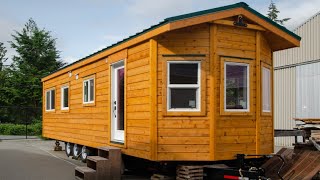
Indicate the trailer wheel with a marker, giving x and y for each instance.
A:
(76, 151)
(84, 153)
(68, 149)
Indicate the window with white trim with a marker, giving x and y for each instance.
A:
(183, 86)
(88, 91)
(266, 90)
(236, 86)
(64, 97)
(50, 100)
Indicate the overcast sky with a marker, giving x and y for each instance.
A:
(83, 27)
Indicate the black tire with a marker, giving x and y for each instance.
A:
(68, 149)
(85, 152)
(76, 151)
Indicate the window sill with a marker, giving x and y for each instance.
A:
(184, 113)
(89, 104)
(65, 110)
(266, 113)
(236, 113)
(51, 111)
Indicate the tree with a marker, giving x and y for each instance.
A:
(273, 14)
(36, 57)
(3, 58)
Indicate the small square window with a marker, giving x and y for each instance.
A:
(65, 98)
(50, 100)
(88, 91)
(183, 86)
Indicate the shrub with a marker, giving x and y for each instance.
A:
(34, 129)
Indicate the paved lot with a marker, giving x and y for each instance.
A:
(34, 159)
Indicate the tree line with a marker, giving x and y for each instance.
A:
(36, 56)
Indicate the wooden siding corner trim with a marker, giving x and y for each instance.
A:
(258, 91)
(213, 59)
(153, 100)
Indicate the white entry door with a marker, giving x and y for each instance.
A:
(117, 102)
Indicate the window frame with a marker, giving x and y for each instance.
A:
(202, 60)
(54, 107)
(263, 112)
(63, 87)
(89, 102)
(242, 62)
(184, 86)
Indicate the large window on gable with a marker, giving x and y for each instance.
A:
(64, 97)
(183, 85)
(50, 100)
(236, 86)
(88, 91)
(266, 89)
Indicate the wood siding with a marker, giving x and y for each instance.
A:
(183, 137)
(90, 125)
(153, 134)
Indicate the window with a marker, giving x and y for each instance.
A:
(266, 90)
(88, 91)
(50, 100)
(64, 97)
(183, 88)
(236, 86)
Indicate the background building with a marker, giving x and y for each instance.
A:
(297, 79)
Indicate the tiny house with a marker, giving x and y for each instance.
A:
(195, 87)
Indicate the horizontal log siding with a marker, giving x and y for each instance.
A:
(234, 133)
(89, 125)
(183, 137)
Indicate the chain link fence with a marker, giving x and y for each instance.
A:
(20, 122)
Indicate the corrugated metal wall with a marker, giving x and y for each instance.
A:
(284, 103)
(310, 45)
(285, 64)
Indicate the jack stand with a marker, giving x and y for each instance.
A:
(57, 147)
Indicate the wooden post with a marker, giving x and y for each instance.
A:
(258, 91)
(153, 99)
(213, 59)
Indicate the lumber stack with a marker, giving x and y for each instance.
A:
(161, 177)
(190, 172)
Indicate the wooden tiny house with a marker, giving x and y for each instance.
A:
(195, 87)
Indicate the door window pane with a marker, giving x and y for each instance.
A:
(183, 98)
(120, 99)
(266, 90)
(236, 86)
(183, 73)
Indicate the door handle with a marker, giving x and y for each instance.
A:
(114, 108)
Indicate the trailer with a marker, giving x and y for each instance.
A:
(195, 88)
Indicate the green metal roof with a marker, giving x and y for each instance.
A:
(186, 16)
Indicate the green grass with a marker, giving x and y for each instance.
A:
(34, 129)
